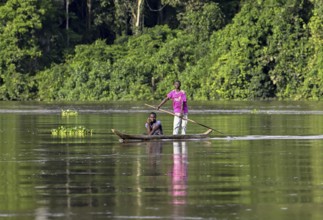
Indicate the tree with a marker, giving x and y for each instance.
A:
(20, 20)
(262, 54)
(129, 11)
(313, 84)
(79, 78)
(204, 22)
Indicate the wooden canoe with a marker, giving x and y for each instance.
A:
(138, 137)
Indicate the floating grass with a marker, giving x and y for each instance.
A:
(78, 131)
(68, 112)
(254, 111)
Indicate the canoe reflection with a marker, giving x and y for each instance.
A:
(179, 174)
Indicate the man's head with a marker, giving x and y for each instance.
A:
(177, 84)
(152, 116)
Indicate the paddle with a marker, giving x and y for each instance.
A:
(168, 112)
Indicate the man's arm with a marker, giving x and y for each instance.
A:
(182, 108)
(155, 127)
(148, 126)
(162, 102)
(184, 99)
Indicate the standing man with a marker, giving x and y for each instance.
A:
(180, 107)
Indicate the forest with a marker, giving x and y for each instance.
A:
(102, 50)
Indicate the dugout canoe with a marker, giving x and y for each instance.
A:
(138, 137)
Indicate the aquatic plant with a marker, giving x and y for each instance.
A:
(68, 112)
(78, 131)
(254, 111)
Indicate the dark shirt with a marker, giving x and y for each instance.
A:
(159, 131)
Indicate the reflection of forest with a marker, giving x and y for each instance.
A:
(10, 187)
(43, 174)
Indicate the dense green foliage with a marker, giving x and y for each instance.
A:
(133, 50)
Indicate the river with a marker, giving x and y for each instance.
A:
(263, 161)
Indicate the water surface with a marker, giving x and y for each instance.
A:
(267, 165)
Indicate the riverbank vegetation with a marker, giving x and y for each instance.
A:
(134, 49)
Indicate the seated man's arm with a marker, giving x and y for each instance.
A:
(155, 128)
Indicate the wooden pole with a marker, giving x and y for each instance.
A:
(171, 113)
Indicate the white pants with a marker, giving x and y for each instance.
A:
(180, 123)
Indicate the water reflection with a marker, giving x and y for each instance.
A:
(179, 173)
(154, 152)
(272, 169)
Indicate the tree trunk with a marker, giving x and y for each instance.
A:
(137, 17)
(67, 3)
(160, 18)
(67, 18)
(89, 14)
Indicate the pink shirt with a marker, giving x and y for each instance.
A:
(178, 98)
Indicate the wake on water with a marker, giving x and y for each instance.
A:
(270, 137)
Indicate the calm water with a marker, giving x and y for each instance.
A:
(268, 165)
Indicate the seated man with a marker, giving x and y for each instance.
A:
(153, 126)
